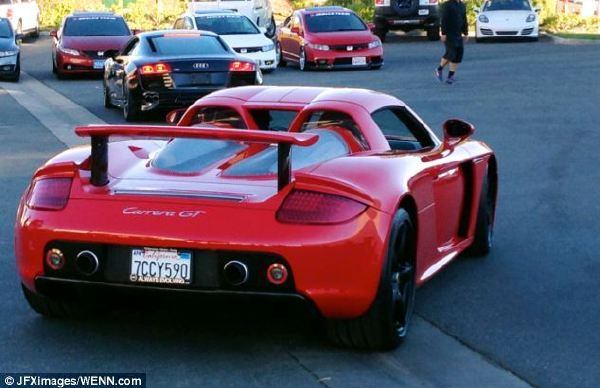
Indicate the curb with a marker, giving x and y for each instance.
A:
(570, 41)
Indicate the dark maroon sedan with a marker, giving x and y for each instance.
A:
(85, 40)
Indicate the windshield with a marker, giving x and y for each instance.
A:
(227, 25)
(5, 30)
(96, 26)
(507, 5)
(334, 21)
(186, 44)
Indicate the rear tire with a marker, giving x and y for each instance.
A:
(107, 102)
(484, 227)
(130, 109)
(385, 325)
(55, 308)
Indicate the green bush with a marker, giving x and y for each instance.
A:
(571, 23)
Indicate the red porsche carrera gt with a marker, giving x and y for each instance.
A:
(343, 198)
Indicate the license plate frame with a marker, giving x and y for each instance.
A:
(99, 64)
(359, 61)
(161, 266)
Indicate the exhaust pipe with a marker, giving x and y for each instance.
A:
(87, 262)
(235, 272)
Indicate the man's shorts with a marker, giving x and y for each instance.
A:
(454, 52)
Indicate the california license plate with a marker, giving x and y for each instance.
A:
(158, 265)
(99, 64)
(359, 61)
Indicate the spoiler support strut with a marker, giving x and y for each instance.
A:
(99, 165)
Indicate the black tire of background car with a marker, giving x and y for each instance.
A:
(130, 110)
(302, 60)
(381, 33)
(56, 308)
(107, 102)
(271, 29)
(411, 10)
(484, 227)
(282, 62)
(433, 33)
(385, 325)
(36, 32)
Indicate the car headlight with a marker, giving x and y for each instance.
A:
(483, 19)
(69, 51)
(322, 47)
(375, 44)
(8, 53)
(268, 47)
(530, 18)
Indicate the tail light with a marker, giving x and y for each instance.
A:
(242, 66)
(158, 68)
(49, 194)
(309, 207)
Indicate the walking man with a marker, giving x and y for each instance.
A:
(454, 26)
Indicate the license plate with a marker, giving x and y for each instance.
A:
(359, 61)
(423, 12)
(99, 64)
(157, 265)
(200, 79)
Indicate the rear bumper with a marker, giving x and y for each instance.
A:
(335, 267)
(170, 99)
(387, 18)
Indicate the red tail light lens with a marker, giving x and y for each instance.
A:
(49, 194)
(158, 68)
(242, 66)
(309, 207)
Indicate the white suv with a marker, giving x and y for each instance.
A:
(24, 15)
(259, 11)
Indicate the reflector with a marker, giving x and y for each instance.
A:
(49, 194)
(309, 207)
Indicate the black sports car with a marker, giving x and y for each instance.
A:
(170, 69)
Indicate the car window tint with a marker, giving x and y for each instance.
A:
(401, 129)
(95, 26)
(329, 146)
(507, 5)
(193, 155)
(221, 117)
(331, 119)
(273, 120)
(227, 24)
(5, 30)
(180, 44)
(334, 22)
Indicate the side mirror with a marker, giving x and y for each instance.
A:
(54, 34)
(371, 26)
(456, 130)
(174, 116)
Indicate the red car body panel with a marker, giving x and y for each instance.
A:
(336, 266)
(343, 46)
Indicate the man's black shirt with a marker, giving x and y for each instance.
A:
(454, 21)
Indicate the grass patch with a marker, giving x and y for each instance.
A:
(573, 35)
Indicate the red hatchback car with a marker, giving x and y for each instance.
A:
(326, 38)
(342, 198)
(85, 40)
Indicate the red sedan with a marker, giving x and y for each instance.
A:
(327, 38)
(85, 40)
(351, 209)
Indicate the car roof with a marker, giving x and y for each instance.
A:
(212, 11)
(93, 13)
(176, 32)
(332, 8)
(302, 95)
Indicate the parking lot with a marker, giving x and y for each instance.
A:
(525, 315)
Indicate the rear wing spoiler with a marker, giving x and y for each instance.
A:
(100, 134)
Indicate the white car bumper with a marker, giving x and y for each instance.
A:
(7, 64)
(264, 60)
(491, 30)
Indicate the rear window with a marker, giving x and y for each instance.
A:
(192, 155)
(96, 26)
(334, 119)
(5, 30)
(273, 120)
(334, 22)
(218, 116)
(186, 44)
(329, 146)
(227, 25)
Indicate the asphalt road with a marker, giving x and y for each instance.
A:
(530, 309)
